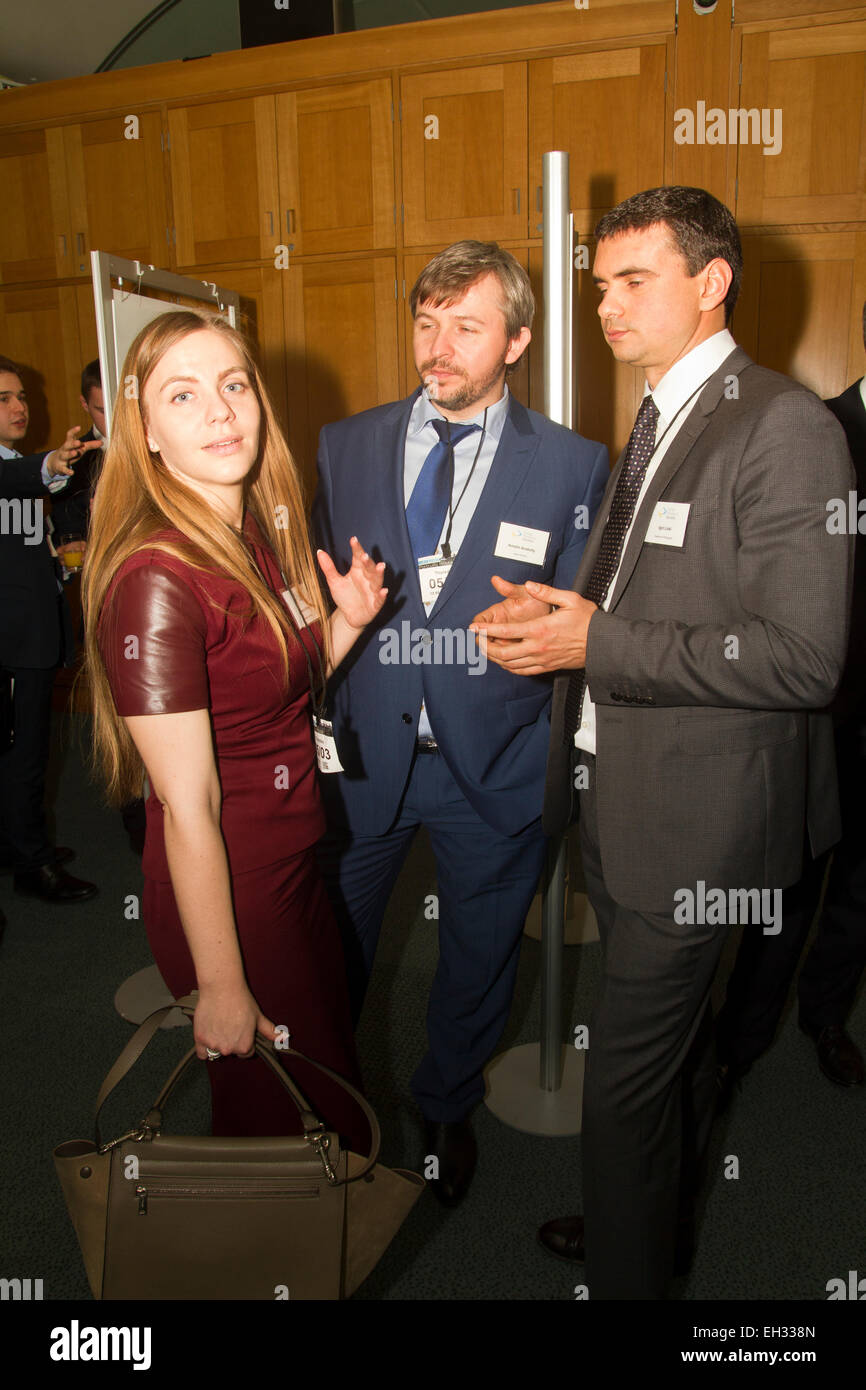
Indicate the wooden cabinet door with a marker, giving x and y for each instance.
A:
(464, 154)
(812, 81)
(336, 168)
(224, 181)
(116, 190)
(608, 110)
(35, 236)
(39, 331)
(800, 308)
(341, 346)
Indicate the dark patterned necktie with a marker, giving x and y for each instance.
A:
(638, 453)
(428, 505)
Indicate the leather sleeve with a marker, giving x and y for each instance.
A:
(152, 640)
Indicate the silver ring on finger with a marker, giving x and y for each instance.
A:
(212, 1054)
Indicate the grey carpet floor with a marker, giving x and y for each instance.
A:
(792, 1219)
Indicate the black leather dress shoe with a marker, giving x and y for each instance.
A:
(563, 1237)
(839, 1057)
(63, 854)
(53, 884)
(453, 1143)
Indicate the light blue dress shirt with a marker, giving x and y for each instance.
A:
(420, 439)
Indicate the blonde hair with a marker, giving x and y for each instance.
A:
(137, 497)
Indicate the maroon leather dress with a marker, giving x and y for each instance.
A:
(173, 639)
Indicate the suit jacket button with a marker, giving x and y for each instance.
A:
(407, 718)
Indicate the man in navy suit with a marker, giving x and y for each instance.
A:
(451, 486)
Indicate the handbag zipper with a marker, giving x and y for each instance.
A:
(220, 1189)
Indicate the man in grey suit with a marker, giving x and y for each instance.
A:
(707, 625)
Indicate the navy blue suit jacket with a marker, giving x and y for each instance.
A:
(492, 726)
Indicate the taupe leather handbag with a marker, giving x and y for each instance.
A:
(163, 1216)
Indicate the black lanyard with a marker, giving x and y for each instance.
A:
(452, 506)
(318, 702)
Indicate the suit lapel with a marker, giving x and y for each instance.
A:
(684, 441)
(511, 463)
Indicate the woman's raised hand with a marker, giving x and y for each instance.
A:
(358, 593)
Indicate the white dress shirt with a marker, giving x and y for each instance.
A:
(679, 383)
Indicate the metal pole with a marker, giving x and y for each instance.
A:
(559, 406)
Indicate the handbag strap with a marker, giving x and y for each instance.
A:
(264, 1048)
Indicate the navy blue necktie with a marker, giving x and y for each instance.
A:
(428, 505)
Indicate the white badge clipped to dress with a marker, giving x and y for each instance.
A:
(327, 757)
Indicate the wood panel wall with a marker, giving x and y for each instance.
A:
(362, 154)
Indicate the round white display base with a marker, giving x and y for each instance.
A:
(581, 926)
(516, 1098)
(143, 992)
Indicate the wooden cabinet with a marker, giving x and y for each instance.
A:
(799, 308)
(39, 331)
(811, 81)
(116, 190)
(607, 110)
(336, 168)
(70, 189)
(464, 154)
(33, 245)
(309, 170)
(224, 181)
(340, 346)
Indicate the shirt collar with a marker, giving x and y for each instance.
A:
(6, 453)
(863, 391)
(423, 411)
(684, 378)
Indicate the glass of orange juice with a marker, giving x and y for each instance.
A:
(73, 551)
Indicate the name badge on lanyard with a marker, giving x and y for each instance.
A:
(327, 757)
(432, 573)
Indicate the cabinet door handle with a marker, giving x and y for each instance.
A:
(79, 237)
(290, 221)
(63, 240)
(270, 217)
(517, 199)
(538, 199)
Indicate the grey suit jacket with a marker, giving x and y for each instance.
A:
(704, 671)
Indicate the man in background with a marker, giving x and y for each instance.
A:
(35, 637)
(70, 509)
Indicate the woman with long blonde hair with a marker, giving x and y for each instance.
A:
(207, 640)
